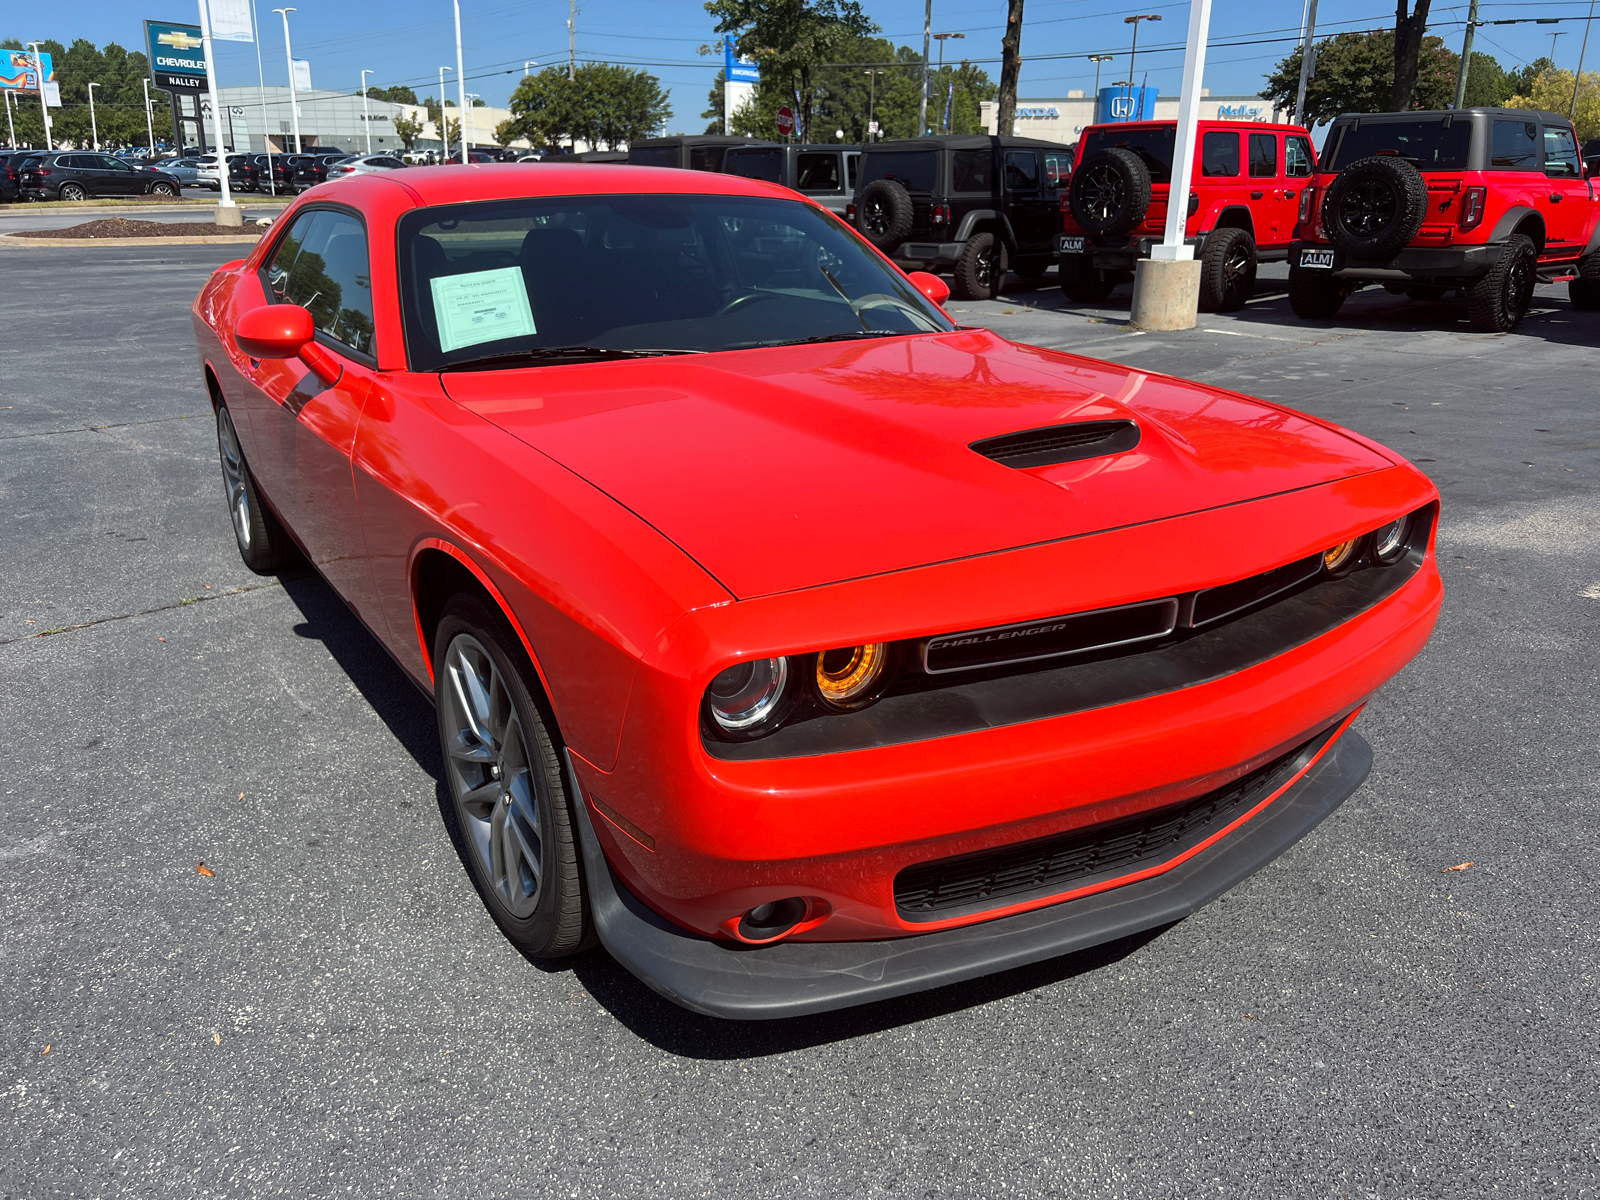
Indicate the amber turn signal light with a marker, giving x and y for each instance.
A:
(1336, 558)
(851, 677)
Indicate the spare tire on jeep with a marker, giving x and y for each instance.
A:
(1375, 206)
(886, 213)
(1110, 192)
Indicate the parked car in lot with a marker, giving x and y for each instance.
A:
(312, 169)
(1484, 200)
(1243, 197)
(365, 164)
(827, 174)
(971, 204)
(194, 171)
(246, 172)
(802, 646)
(693, 152)
(10, 183)
(81, 175)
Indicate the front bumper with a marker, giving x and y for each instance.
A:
(790, 979)
(1414, 262)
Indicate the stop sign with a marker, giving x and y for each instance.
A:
(785, 121)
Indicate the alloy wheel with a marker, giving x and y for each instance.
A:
(1236, 267)
(1520, 282)
(876, 218)
(983, 271)
(491, 781)
(1368, 208)
(233, 477)
(71, 191)
(1102, 193)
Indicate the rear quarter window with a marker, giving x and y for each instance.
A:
(917, 170)
(653, 156)
(756, 164)
(971, 171)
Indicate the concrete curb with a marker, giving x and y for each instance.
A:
(11, 239)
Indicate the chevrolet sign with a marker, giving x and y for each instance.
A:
(177, 55)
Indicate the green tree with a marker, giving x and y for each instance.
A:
(791, 39)
(397, 94)
(1489, 85)
(1551, 91)
(408, 130)
(118, 100)
(602, 104)
(1354, 72)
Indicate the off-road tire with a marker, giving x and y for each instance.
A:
(1227, 270)
(1375, 206)
(264, 544)
(1584, 291)
(558, 923)
(72, 192)
(1083, 283)
(981, 270)
(1497, 302)
(1110, 192)
(1314, 295)
(885, 214)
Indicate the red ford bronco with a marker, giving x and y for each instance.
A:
(1485, 200)
(1243, 201)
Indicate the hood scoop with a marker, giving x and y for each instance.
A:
(1059, 443)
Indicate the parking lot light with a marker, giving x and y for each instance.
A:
(366, 116)
(288, 59)
(44, 105)
(149, 121)
(94, 126)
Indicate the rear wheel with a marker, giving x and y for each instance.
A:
(1082, 283)
(1314, 295)
(1227, 270)
(981, 269)
(263, 542)
(1498, 301)
(509, 807)
(73, 191)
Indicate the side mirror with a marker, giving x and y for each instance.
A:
(931, 286)
(285, 331)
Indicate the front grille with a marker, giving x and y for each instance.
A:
(1077, 633)
(1215, 603)
(1059, 443)
(950, 887)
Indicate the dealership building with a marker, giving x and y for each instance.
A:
(1064, 119)
(259, 119)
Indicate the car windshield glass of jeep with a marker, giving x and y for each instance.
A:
(1427, 145)
(1152, 145)
(538, 281)
(915, 170)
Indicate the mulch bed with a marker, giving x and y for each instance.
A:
(121, 227)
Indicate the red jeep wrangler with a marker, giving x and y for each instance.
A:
(1243, 202)
(1487, 200)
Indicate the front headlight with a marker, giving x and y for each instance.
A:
(749, 697)
(1390, 542)
(852, 677)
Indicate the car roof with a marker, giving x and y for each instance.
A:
(702, 139)
(1424, 113)
(964, 141)
(1275, 126)
(457, 183)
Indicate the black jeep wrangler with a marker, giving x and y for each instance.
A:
(973, 204)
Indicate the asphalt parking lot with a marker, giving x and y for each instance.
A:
(332, 1011)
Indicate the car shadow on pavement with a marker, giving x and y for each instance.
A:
(678, 1031)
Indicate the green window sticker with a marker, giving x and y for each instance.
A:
(484, 306)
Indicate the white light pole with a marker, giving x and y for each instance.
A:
(44, 107)
(149, 120)
(261, 95)
(94, 126)
(1172, 245)
(472, 121)
(288, 59)
(526, 65)
(366, 116)
(10, 126)
(461, 86)
(216, 115)
(444, 141)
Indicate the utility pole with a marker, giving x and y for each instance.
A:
(288, 58)
(44, 106)
(461, 87)
(942, 38)
(1010, 68)
(872, 74)
(1466, 58)
(1308, 59)
(927, 47)
(1134, 53)
(1577, 79)
(366, 114)
(572, 38)
(94, 126)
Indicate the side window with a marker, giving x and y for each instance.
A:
(1022, 171)
(706, 158)
(107, 163)
(1219, 154)
(853, 166)
(1298, 161)
(756, 164)
(1515, 146)
(1561, 153)
(817, 173)
(326, 272)
(1263, 156)
(1057, 170)
(970, 171)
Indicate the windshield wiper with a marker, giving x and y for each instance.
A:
(849, 336)
(543, 355)
(843, 295)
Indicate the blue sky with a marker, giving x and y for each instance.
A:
(411, 39)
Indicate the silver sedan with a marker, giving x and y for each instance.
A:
(365, 164)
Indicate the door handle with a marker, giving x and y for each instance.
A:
(1288, 194)
(1555, 197)
(1255, 195)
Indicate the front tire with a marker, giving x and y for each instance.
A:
(163, 189)
(1498, 301)
(509, 808)
(981, 269)
(1227, 270)
(1314, 296)
(264, 544)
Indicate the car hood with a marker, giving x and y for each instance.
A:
(797, 466)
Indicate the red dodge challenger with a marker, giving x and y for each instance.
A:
(800, 645)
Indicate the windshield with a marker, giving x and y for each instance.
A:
(640, 275)
(1429, 144)
(1153, 145)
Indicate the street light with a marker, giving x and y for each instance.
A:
(1097, 59)
(366, 116)
(471, 117)
(288, 58)
(10, 125)
(444, 141)
(44, 107)
(94, 126)
(941, 38)
(149, 121)
(1134, 21)
(461, 86)
(526, 65)
(872, 74)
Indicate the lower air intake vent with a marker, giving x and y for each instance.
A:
(951, 887)
(1059, 443)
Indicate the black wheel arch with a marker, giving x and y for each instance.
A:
(1235, 216)
(1520, 219)
(988, 220)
